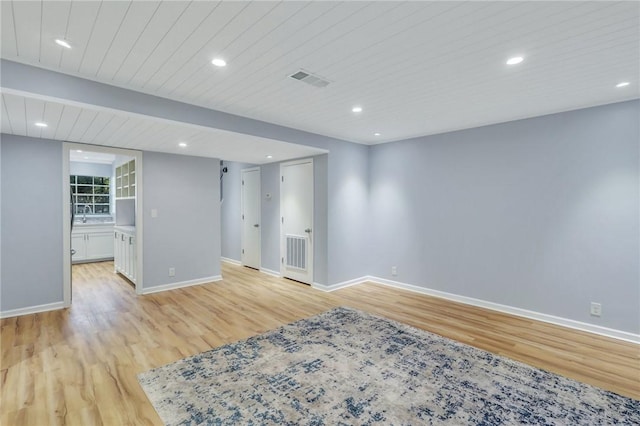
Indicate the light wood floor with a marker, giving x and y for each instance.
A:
(79, 366)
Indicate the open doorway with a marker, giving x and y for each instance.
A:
(103, 224)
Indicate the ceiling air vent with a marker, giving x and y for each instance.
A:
(307, 77)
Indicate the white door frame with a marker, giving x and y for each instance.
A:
(66, 214)
(282, 236)
(242, 242)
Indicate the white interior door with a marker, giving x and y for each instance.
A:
(296, 209)
(251, 218)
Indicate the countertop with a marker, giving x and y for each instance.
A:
(79, 224)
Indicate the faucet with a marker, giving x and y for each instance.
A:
(84, 213)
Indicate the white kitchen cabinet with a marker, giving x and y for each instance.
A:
(99, 245)
(78, 247)
(125, 251)
(91, 243)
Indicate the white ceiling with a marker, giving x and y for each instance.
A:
(92, 157)
(100, 126)
(416, 68)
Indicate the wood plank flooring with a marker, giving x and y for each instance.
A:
(79, 365)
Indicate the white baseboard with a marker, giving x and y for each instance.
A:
(338, 286)
(181, 284)
(270, 272)
(229, 260)
(32, 310)
(565, 322)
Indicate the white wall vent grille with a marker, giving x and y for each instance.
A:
(296, 252)
(309, 78)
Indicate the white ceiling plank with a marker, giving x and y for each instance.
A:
(6, 120)
(82, 124)
(284, 32)
(68, 118)
(316, 30)
(27, 17)
(173, 41)
(8, 31)
(34, 113)
(249, 19)
(131, 28)
(116, 122)
(122, 132)
(51, 115)
(98, 125)
(55, 17)
(162, 21)
(190, 58)
(82, 17)
(135, 127)
(107, 25)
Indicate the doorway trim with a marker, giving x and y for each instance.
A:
(66, 214)
(282, 234)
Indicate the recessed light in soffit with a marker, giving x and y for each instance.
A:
(219, 62)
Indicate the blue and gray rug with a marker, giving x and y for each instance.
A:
(346, 367)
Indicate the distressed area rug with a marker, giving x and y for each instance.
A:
(346, 367)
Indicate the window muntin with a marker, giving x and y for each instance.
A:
(91, 194)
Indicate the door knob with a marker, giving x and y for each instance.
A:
(308, 230)
(256, 225)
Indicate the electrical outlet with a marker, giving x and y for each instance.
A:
(596, 309)
(172, 272)
(394, 271)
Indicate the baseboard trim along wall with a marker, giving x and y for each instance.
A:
(343, 284)
(564, 322)
(270, 272)
(231, 261)
(181, 284)
(32, 310)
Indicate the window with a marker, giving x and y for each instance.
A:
(91, 194)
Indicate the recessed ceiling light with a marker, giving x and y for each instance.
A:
(219, 62)
(86, 158)
(622, 84)
(515, 60)
(376, 134)
(63, 43)
(269, 156)
(78, 150)
(182, 144)
(356, 109)
(39, 124)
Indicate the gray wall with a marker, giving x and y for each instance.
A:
(31, 227)
(90, 169)
(348, 212)
(186, 234)
(321, 230)
(540, 214)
